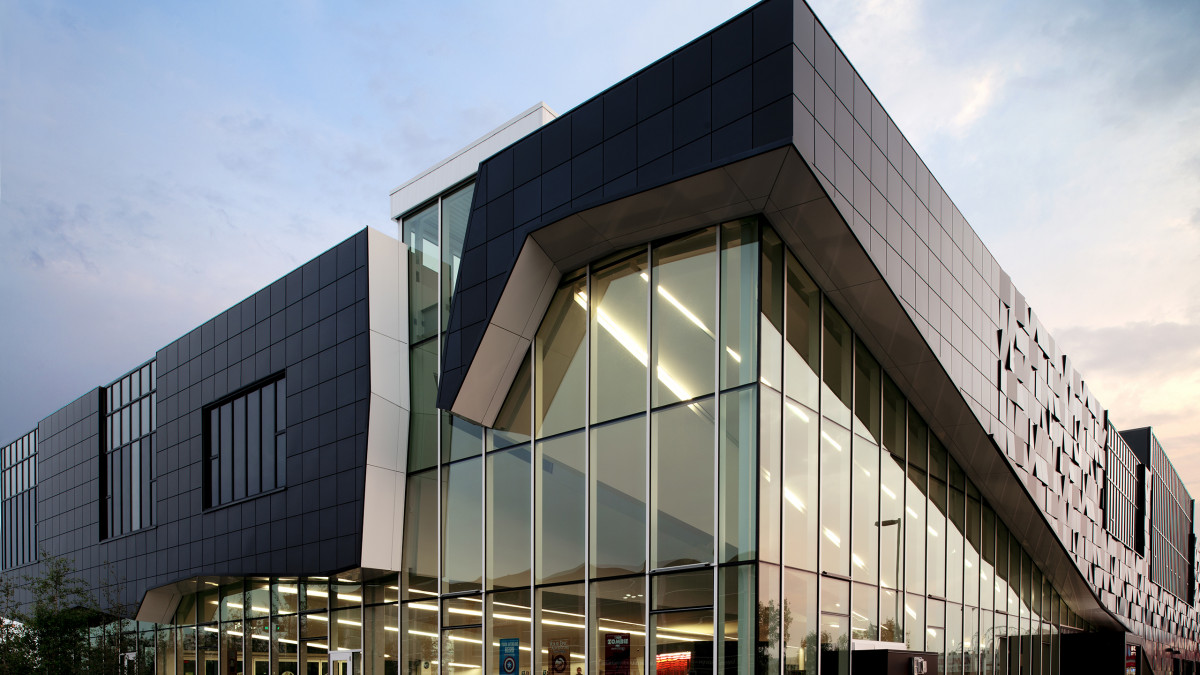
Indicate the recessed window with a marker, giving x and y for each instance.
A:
(18, 501)
(129, 466)
(244, 438)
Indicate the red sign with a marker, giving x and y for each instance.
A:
(616, 654)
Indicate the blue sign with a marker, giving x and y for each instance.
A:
(510, 656)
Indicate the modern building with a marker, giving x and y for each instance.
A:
(706, 375)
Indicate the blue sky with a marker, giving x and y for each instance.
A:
(161, 161)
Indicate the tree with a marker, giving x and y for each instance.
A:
(62, 630)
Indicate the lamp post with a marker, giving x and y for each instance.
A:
(895, 522)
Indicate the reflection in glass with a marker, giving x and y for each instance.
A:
(464, 610)
(802, 353)
(559, 352)
(770, 475)
(956, 507)
(460, 438)
(560, 630)
(866, 393)
(512, 422)
(971, 565)
(258, 598)
(835, 644)
(185, 651)
(620, 291)
(771, 319)
(684, 318)
(423, 442)
(891, 615)
(345, 629)
(836, 376)
(207, 649)
(935, 558)
(800, 622)
(380, 636)
(560, 509)
(892, 518)
(894, 428)
(970, 640)
(771, 621)
(915, 501)
(456, 209)
(867, 527)
(683, 641)
(739, 300)
(1001, 571)
(462, 526)
(954, 637)
(914, 621)
(618, 627)
(681, 590)
(737, 476)
(164, 652)
(508, 518)
(737, 614)
(232, 601)
(509, 617)
(935, 631)
(420, 234)
(800, 486)
(864, 612)
(681, 496)
(835, 499)
(420, 533)
(462, 651)
(618, 494)
(419, 636)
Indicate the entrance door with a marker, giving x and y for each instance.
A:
(345, 662)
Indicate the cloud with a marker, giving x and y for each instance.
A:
(982, 94)
(1146, 374)
(1141, 347)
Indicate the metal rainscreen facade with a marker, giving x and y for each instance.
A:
(310, 326)
(775, 370)
(1172, 541)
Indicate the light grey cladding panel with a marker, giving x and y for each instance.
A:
(389, 405)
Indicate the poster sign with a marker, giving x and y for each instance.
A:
(560, 657)
(616, 654)
(510, 656)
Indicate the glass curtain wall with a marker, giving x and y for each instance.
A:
(276, 626)
(699, 468)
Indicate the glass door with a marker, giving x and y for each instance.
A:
(345, 662)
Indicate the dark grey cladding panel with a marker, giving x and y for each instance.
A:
(1139, 443)
(311, 324)
(725, 96)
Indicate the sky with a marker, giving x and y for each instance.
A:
(159, 162)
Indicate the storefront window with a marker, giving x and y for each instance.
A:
(560, 358)
(681, 484)
(620, 292)
(618, 498)
(683, 317)
(509, 525)
(561, 525)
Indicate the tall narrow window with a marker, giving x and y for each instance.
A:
(129, 468)
(18, 501)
